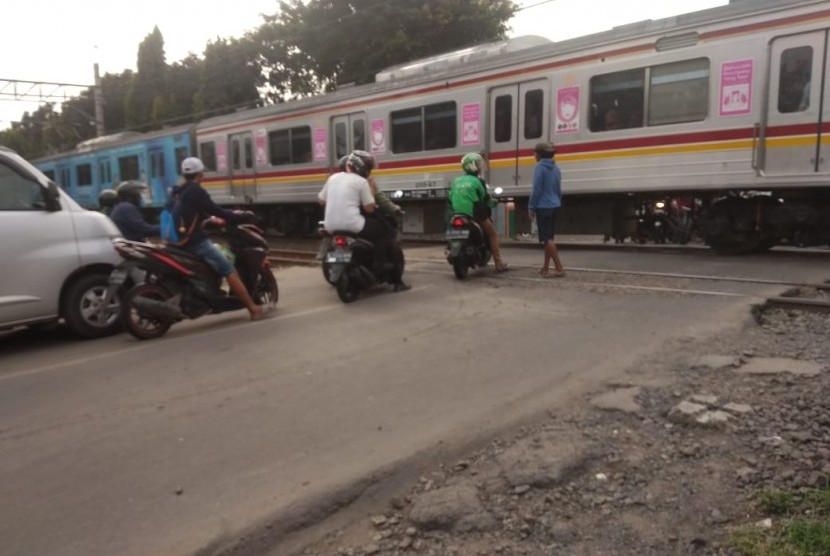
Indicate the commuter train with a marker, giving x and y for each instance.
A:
(726, 105)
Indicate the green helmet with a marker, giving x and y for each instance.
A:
(472, 163)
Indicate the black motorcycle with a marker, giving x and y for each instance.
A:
(179, 285)
(351, 266)
(467, 244)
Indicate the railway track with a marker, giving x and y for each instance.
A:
(293, 257)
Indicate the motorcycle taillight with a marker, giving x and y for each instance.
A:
(341, 241)
(457, 222)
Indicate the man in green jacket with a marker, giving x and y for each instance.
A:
(468, 196)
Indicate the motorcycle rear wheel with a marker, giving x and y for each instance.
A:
(460, 268)
(141, 326)
(346, 291)
(266, 291)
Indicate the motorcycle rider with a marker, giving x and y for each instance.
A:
(344, 195)
(126, 213)
(193, 207)
(468, 196)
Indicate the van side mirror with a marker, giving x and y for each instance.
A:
(52, 197)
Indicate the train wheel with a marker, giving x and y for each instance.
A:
(143, 326)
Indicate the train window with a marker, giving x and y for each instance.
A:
(207, 153)
(290, 146)
(407, 130)
(359, 134)
(83, 173)
(235, 153)
(795, 79)
(157, 165)
(128, 168)
(440, 126)
(678, 92)
(66, 178)
(425, 128)
(503, 123)
(249, 153)
(340, 143)
(617, 100)
(534, 113)
(104, 172)
(49, 174)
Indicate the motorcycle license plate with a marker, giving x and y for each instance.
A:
(118, 276)
(339, 256)
(453, 233)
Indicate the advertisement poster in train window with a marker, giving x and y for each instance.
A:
(471, 124)
(320, 144)
(378, 136)
(736, 87)
(221, 156)
(260, 138)
(567, 110)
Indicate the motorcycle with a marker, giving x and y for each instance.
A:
(349, 264)
(178, 285)
(467, 244)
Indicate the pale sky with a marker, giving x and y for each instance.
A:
(46, 40)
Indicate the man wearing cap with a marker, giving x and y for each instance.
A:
(194, 206)
(544, 203)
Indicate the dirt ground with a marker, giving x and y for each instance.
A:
(669, 461)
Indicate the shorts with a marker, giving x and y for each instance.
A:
(213, 257)
(545, 223)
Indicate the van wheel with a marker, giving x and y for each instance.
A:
(84, 309)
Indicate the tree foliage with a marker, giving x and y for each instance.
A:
(307, 47)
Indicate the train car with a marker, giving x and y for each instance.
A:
(726, 105)
(105, 162)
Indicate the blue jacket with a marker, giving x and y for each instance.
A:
(130, 223)
(547, 186)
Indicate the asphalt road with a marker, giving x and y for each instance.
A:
(116, 446)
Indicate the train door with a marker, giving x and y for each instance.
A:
(792, 134)
(349, 132)
(104, 173)
(518, 119)
(242, 173)
(64, 179)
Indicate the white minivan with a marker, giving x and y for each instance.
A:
(55, 257)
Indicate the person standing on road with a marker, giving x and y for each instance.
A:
(192, 208)
(468, 196)
(544, 203)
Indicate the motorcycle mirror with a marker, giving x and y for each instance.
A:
(498, 190)
(397, 194)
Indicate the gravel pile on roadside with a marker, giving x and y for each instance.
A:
(637, 470)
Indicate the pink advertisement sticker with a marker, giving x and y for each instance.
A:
(378, 136)
(471, 124)
(221, 156)
(567, 110)
(736, 87)
(320, 144)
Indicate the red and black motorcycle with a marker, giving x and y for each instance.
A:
(181, 286)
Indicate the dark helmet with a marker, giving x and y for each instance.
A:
(131, 191)
(107, 198)
(361, 163)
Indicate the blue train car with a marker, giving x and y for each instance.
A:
(104, 162)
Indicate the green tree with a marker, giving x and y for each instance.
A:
(230, 76)
(150, 81)
(337, 41)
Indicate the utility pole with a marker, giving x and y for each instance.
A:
(99, 104)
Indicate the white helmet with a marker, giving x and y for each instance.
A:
(192, 165)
